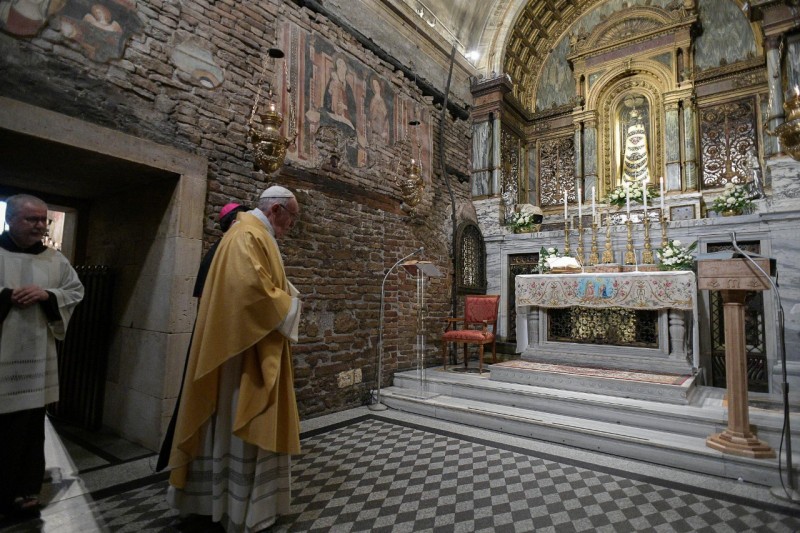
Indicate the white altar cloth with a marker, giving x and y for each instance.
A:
(629, 290)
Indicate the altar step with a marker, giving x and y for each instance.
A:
(653, 431)
(669, 388)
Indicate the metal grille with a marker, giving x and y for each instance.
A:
(83, 354)
(510, 154)
(518, 264)
(614, 326)
(727, 138)
(754, 332)
(470, 260)
(557, 170)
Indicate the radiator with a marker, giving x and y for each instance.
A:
(83, 354)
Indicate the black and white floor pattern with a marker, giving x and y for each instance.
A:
(376, 473)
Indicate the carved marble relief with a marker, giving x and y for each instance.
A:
(556, 170)
(727, 140)
(511, 156)
(346, 112)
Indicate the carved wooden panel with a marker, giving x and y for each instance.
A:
(511, 156)
(727, 138)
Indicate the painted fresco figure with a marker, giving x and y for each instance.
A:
(339, 99)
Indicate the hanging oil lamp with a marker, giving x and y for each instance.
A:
(269, 144)
(410, 176)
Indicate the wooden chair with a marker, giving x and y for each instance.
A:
(478, 311)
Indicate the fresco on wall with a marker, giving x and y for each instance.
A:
(101, 27)
(25, 18)
(714, 47)
(344, 110)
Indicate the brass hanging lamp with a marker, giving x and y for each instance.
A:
(269, 144)
(410, 175)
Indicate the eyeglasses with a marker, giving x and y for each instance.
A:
(292, 215)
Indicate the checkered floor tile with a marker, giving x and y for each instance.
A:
(377, 475)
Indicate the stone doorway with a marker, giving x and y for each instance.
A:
(139, 210)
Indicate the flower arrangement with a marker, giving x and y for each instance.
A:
(733, 198)
(675, 256)
(618, 197)
(522, 221)
(544, 254)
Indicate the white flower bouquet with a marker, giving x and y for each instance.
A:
(675, 256)
(618, 196)
(544, 255)
(524, 220)
(733, 198)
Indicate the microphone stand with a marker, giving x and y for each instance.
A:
(378, 406)
(791, 493)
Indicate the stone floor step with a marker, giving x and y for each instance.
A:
(662, 447)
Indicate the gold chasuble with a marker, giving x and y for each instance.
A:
(244, 301)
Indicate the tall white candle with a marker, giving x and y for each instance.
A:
(594, 215)
(565, 204)
(662, 195)
(644, 196)
(580, 206)
(628, 199)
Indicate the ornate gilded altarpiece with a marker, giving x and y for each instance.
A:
(556, 158)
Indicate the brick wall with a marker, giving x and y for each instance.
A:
(352, 227)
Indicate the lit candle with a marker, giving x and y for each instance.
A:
(565, 205)
(594, 215)
(661, 179)
(580, 206)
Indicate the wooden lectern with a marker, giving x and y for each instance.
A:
(733, 278)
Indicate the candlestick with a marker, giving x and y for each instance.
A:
(580, 206)
(664, 241)
(593, 254)
(630, 256)
(580, 242)
(608, 252)
(647, 253)
(662, 195)
(566, 238)
(565, 204)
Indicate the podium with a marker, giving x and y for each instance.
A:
(733, 278)
(418, 269)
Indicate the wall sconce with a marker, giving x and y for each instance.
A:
(410, 175)
(269, 145)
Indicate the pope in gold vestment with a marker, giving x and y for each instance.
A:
(244, 319)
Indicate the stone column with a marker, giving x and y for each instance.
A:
(771, 143)
(578, 155)
(689, 145)
(497, 172)
(673, 147)
(481, 159)
(589, 154)
(677, 335)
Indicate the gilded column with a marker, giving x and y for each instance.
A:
(773, 44)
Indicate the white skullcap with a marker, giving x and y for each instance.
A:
(276, 191)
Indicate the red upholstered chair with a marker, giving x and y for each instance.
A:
(478, 311)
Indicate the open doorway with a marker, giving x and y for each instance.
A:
(134, 206)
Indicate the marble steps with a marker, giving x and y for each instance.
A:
(665, 434)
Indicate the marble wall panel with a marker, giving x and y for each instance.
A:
(714, 47)
(481, 157)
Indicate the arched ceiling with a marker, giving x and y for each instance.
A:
(511, 36)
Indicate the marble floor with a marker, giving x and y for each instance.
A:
(365, 470)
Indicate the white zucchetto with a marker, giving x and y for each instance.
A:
(276, 191)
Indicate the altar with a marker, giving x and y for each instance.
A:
(623, 303)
